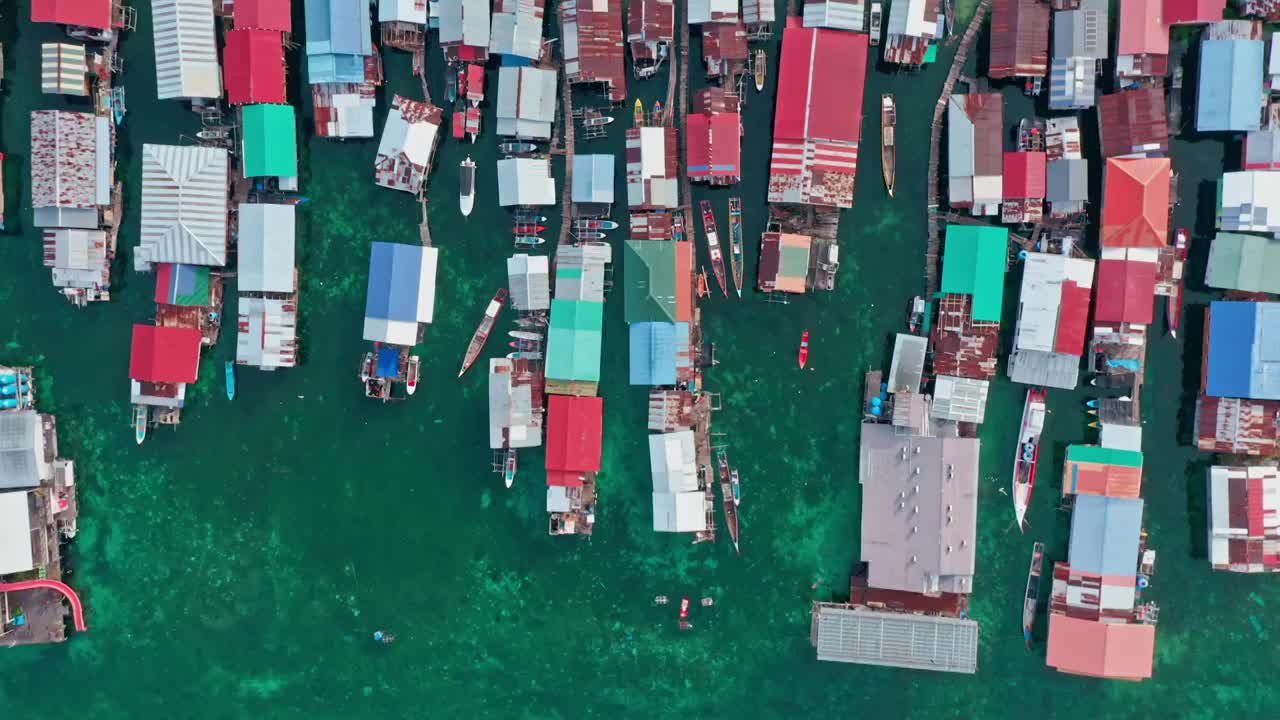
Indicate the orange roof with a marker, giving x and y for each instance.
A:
(1135, 202)
(1119, 651)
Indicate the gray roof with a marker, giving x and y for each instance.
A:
(959, 399)
(526, 105)
(890, 639)
(587, 284)
(265, 257)
(1081, 33)
(1037, 367)
(512, 420)
(1244, 262)
(21, 444)
(1262, 147)
(593, 179)
(919, 510)
(528, 279)
(1067, 180)
(908, 363)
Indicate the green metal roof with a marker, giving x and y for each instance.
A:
(1103, 456)
(793, 261)
(649, 273)
(573, 340)
(973, 261)
(270, 144)
(1244, 262)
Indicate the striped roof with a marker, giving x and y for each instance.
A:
(184, 205)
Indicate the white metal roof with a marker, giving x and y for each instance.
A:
(184, 206)
(410, 11)
(673, 462)
(15, 534)
(1041, 300)
(653, 148)
(186, 49)
(528, 279)
(701, 11)
(894, 639)
(266, 248)
(525, 181)
(1121, 437)
(1250, 201)
(526, 105)
(416, 140)
(679, 512)
(906, 17)
(268, 333)
(465, 22)
(838, 14)
(517, 28)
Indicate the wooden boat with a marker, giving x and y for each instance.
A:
(229, 373)
(528, 229)
(524, 355)
(473, 123)
(509, 467)
(876, 14)
(451, 85)
(481, 335)
(803, 356)
(139, 423)
(1173, 303)
(702, 283)
(1024, 461)
(528, 241)
(656, 118)
(713, 245)
(411, 374)
(1033, 592)
(590, 235)
(366, 367)
(517, 147)
(888, 148)
(638, 118)
(726, 497)
(735, 242)
(524, 335)
(596, 119)
(592, 224)
(532, 321)
(677, 227)
(736, 486)
(916, 315)
(528, 216)
(760, 65)
(466, 186)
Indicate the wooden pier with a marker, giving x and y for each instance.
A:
(933, 253)
(566, 192)
(681, 68)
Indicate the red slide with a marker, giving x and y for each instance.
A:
(77, 610)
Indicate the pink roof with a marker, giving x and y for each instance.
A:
(1120, 651)
(1126, 290)
(820, 85)
(253, 67)
(1073, 319)
(1142, 28)
(713, 148)
(89, 13)
(1192, 12)
(164, 354)
(1024, 175)
(1135, 202)
(263, 15)
(573, 438)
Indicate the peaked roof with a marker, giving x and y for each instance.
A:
(269, 141)
(253, 67)
(1125, 290)
(164, 354)
(263, 15)
(88, 13)
(1024, 175)
(973, 263)
(1135, 202)
(1122, 651)
(573, 437)
(184, 205)
(657, 281)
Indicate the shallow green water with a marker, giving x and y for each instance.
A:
(236, 567)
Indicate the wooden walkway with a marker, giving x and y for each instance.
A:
(682, 105)
(566, 126)
(933, 254)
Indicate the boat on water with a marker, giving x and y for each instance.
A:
(590, 235)
(1119, 380)
(1024, 461)
(684, 614)
(726, 497)
(876, 13)
(702, 283)
(1033, 592)
(460, 85)
(760, 65)
(481, 335)
(656, 117)
(528, 241)
(596, 120)
(713, 245)
(509, 467)
(524, 355)
(803, 356)
(593, 224)
(229, 373)
(528, 229)
(366, 367)
(677, 227)
(524, 335)
(735, 242)
(1173, 303)
(411, 374)
(638, 117)
(458, 125)
(532, 321)
(527, 216)
(888, 148)
(736, 486)
(466, 186)
(451, 86)
(915, 316)
(139, 423)
(517, 147)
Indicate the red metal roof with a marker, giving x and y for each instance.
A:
(1121, 651)
(713, 146)
(820, 85)
(600, 47)
(89, 13)
(164, 354)
(649, 21)
(1192, 12)
(1134, 122)
(1024, 175)
(1239, 426)
(475, 82)
(1126, 290)
(253, 67)
(1019, 38)
(1073, 319)
(263, 15)
(724, 41)
(1142, 28)
(573, 438)
(1135, 202)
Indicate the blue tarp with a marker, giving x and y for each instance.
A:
(514, 61)
(1229, 96)
(653, 353)
(1105, 534)
(395, 282)
(1231, 330)
(388, 362)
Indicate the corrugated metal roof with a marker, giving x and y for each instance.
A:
(269, 14)
(1126, 283)
(652, 352)
(712, 11)
(87, 13)
(580, 271)
(63, 69)
(513, 420)
(756, 12)
(1142, 30)
(654, 286)
(21, 450)
(894, 639)
(1072, 83)
(1047, 369)
(164, 354)
(913, 18)
(678, 505)
(186, 49)
(973, 263)
(525, 182)
(1244, 262)
(407, 146)
(1024, 175)
(402, 290)
(338, 37)
(1051, 316)
(1081, 33)
(1093, 470)
(517, 28)
(959, 399)
(268, 333)
(1134, 122)
(573, 342)
(1244, 518)
(464, 22)
(907, 367)
(64, 161)
(265, 248)
(1080, 646)
(1243, 360)
(1229, 95)
(1019, 45)
(591, 36)
(184, 206)
(1192, 12)
(269, 141)
(16, 553)
(529, 282)
(254, 67)
(1135, 202)
(1067, 181)
(526, 105)
(835, 14)
(410, 11)
(975, 145)
(574, 432)
(1262, 147)
(1249, 201)
(1105, 535)
(593, 179)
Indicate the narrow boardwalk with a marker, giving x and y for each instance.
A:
(682, 104)
(566, 126)
(932, 255)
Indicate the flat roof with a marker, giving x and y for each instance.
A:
(865, 636)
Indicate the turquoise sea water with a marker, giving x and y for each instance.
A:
(237, 566)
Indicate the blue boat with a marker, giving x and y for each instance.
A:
(230, 370)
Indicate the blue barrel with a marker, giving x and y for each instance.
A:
(8, 403)
(875, 410)
(1022, 254)
(876, 402)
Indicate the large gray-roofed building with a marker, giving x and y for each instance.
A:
(892, 639)
(526, 105)
(1081, 33)
(1037, 367)
(265, 259)
(919, 510)
(908, 363)
(22, 462)
(1244, 262)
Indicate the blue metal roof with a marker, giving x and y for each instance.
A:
(593, 179)
(338, 36)
(388, 362)
(395, 279)
(1244, 350)
(1229, 96)
(653, 353)
(1105, 532)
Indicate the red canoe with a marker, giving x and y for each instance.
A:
(804, 349)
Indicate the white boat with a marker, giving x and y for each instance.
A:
(139, 423)
(876, 15)
(1024, 460)
(467, 186)
(411, 380)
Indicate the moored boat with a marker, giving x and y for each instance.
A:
(638, 117)
(596, 120)
(593, 224)
(735, 242)
(677, 227)
(451, 86)
(466, 186)
(1173, 303)
(411, 374)
(139, 423)
(888, 148)
(517, 147)
(1032, 596)
(736, 486)
(528, 229)
(876, 14)
(509, 467)
(590, 235)
(760, 64)
(803, 356)
(702, 283)
(524, 355)
(656, 117)
(524, 215)
(713, 245)
(524, 335)
(229, 371)
(726, 497)
(1024, 461)
(460, 84)
(916, 315)
(528, 241)
(481, 335)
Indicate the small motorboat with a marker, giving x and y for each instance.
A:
(509, 468)
(596, 120)
(760, 65)
(460, 85)
(525, 335)
(1173, 303)
(451, 86)
(804, 349)
(517, 147)
(656, 118)
(702, 283)
(229, 371)
(466, 186)
(592, 224)
(528, 229)
(684, 614)
(527, 216)
(139, 423)
(524, 355)
(888, 144)
(411, 374)
(481, 335)
(532, 321)
(876, 15)
(528, 241)
(383, 637)
(523, 345)
(638, 120)
(916, 314)
(1032, 596)
(736, 485)
(1027, 452)
(590, 235)
(366, 367)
